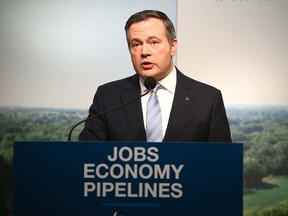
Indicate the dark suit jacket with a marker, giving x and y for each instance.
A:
(200, 118)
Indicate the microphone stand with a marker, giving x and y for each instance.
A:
(104, 112)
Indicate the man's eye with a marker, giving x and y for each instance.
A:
(154, 43)
(135, 44)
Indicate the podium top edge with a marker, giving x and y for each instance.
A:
(133, 142)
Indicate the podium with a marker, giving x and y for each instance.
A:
(127, 178)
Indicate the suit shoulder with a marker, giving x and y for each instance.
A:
(196, 85)
(121, 83)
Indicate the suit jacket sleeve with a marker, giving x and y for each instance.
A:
(95, 129)
(219, 130)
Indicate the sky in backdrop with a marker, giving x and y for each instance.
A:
(56, 53)
(238, 46)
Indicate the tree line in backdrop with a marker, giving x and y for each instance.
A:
(263, 130)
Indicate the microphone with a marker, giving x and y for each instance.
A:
(149, 83)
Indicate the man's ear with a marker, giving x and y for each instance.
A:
(174, 45)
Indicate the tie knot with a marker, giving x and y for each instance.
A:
(157, 87)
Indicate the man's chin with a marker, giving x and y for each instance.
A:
(148, 73)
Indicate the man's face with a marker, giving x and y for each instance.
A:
(150, 51)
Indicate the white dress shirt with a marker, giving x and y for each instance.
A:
(165, 97)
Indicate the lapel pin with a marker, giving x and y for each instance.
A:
(187, 99)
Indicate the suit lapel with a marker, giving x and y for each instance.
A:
(182, 105)
(133, 111)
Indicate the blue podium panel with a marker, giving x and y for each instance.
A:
(127, 178)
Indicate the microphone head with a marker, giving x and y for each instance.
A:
(150, 83)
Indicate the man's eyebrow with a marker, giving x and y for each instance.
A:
(135, 39)
(149, 38)
(153, 37)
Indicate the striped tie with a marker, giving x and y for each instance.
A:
(153, 118)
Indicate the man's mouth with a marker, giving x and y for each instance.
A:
(147, 65)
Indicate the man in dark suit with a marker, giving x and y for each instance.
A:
(189, 110)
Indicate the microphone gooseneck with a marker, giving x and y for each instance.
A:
(149, 83)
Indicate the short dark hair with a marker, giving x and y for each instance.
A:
(146, 14)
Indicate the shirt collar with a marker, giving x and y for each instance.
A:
(169, 82)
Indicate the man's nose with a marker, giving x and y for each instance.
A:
(145, 50)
